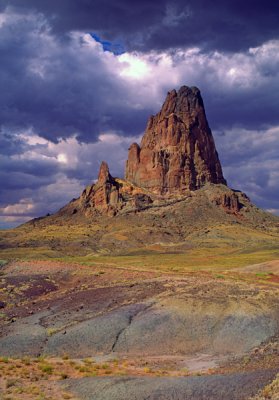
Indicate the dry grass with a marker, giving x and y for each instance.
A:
(219, 247)
(37, 378)
(34, 378)
(271, 391)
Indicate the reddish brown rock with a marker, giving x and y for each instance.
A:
(177, 151)
(104, 174)
(104, 195)
(229, 201)
(177, 155)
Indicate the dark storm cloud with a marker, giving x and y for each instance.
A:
(250, 163)
(65, 88)
(10, 144)
(39, 177)
(58, 88)
(20, 175)
(253, 108)
(240, 89)
(231, 25)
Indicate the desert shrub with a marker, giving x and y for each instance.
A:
(11, 383)
(51, 331)
(26, 360)
(3, 262)
(47, 369)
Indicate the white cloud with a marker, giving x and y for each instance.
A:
(76, 164)
(191, 66)
(62, 158)
(24, 207)
(134, 67)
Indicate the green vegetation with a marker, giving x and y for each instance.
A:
(46, 368)
(213, 259)
(51, 331)
(210, 259)
(219, 247)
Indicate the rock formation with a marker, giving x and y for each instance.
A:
(229, 201)
(177, 155)
(177, 152)
(104, 195)
(108, 196)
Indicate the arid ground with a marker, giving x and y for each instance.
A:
(115, 329)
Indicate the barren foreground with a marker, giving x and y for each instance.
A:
(111, 332)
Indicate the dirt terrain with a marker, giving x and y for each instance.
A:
(118, 332)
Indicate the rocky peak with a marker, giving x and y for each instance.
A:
(183, 103)
(177, 152)
(104, 174)
(176, 156)
(104, 195)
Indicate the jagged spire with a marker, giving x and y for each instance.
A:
(104, 174)
(177, 151)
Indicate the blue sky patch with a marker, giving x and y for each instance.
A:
(116, 48)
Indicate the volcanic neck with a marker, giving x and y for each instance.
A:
(177, 155)
(177, 152)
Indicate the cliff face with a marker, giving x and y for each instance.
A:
(177, 152)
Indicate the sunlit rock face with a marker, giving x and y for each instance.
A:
(103, 195)
(177, 152)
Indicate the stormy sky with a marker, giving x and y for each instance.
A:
(79, 78)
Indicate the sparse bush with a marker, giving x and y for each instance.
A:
(3, 262)
(10, 383)
(66, 396)
(84, 369)
(47, 369)
(51, 331)
(26, 360)
(88, 361)
(108, 371)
